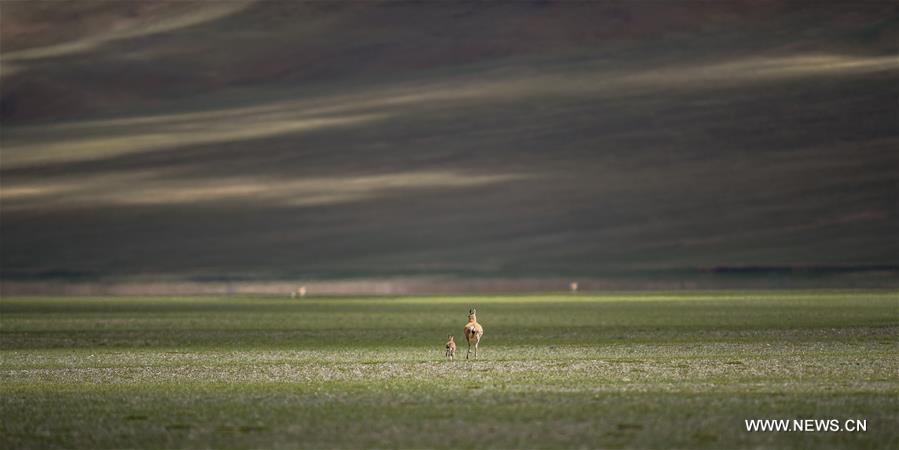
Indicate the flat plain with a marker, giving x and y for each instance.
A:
(614, 370)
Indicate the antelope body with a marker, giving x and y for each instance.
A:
(451, 347)
(473, 332)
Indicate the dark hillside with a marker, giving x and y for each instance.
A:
(510, 139)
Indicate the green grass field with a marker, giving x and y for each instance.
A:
(651, 370)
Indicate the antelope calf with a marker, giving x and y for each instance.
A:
(473, 332)
(451, 347)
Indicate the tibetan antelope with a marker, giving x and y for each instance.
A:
(473, 332)
(451, 347)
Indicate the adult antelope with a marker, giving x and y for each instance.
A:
(473, 332)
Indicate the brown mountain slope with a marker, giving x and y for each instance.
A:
(282, 139)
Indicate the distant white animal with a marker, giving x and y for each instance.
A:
(573, 287)
(300, 292)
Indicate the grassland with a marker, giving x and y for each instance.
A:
(556, 371)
